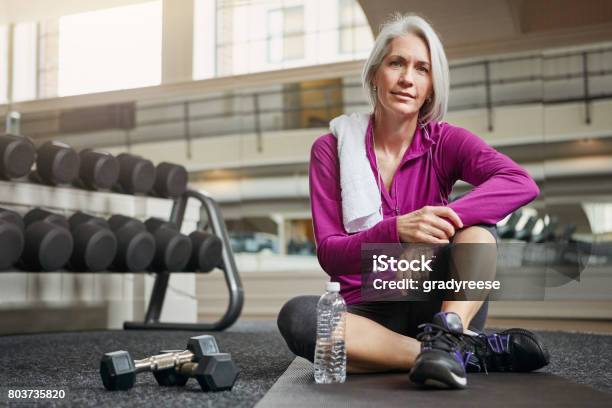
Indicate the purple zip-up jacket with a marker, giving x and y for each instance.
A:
(426, 174)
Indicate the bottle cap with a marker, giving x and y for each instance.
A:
(332, 286)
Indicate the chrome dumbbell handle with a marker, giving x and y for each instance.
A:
(163, 361)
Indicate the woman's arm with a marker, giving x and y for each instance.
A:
(500, 185)
(337, 251)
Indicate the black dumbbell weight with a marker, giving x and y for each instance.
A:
(567, 233)
(95, 245)
(173, 249)
(99, 170)
(170, 180)
(48, 242)
(118, 370)
(547, 233)
(17, 155)
(11, 238)
(171, 377)
(214, 372)
(524, 233)
(56, 164)
(507, 230)
(136, 174)
(206, 251)
(135, 245)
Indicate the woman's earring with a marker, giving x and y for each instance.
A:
(375, 88)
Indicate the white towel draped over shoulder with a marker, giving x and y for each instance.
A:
(360, 192)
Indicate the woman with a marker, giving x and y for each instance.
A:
(415, 159)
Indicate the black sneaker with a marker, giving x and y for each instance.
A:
(516, 350)
(444, 353)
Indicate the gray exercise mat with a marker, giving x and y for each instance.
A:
(296, 388)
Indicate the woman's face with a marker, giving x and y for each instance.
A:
(403, 79)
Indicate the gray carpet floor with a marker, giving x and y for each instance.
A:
(70, 361)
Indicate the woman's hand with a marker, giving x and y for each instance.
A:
(429, 225)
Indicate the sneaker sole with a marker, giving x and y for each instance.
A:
(431, 374)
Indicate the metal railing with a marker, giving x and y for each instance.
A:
(581, 76)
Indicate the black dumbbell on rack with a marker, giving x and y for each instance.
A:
(11, 238)
(136, 174)
(206, 252)
(173, 249)
(95, 245)
(17, 154)
(170, 180)
(525, 232)
(98, 171)
(56, 164)
(135, 245)
(547, 233)
(508, 229)
(48, 242)
(118, 370)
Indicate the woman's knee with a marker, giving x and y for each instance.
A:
(294, 314)
(297, 323)
(476, 234)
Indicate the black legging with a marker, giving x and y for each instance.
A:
(297, 320)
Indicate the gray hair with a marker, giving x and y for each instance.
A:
(399, 25)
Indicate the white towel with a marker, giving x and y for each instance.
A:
(361, 201)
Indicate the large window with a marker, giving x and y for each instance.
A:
(110, 49)
(204, 39)
(262, 35)
(355, 34)
(286, 34)
(24, 68)
(3, 64)
(48, 54)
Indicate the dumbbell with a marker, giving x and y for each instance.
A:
(170, 180)
(547, 233)
(17, 154)
(135, 245)
(48, 242)
(567, 233)
(197, 347)
(524, 233)
(56, 163)
(118, 370)
(136, 174)
(173, 249)
(99, 170)
(206, 251)
(507, 230)
(11, 238)
(214, 372)
(95, 245)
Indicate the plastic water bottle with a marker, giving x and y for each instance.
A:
(330, 352)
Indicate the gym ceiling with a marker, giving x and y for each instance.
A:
(476, 27)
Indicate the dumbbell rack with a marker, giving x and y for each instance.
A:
(232, 279)
(21, 194)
